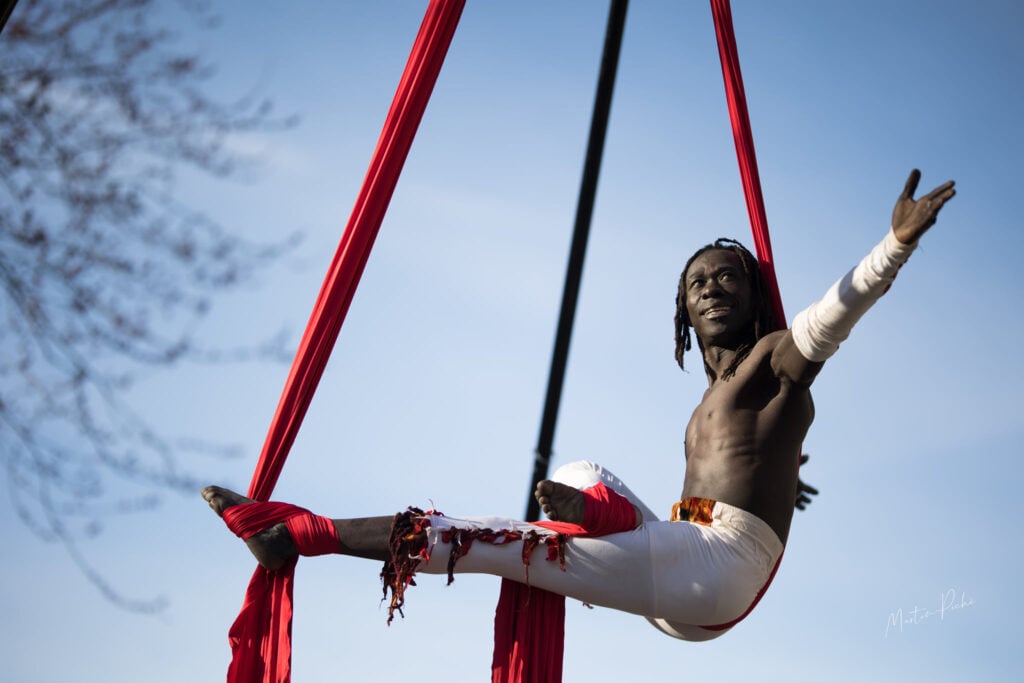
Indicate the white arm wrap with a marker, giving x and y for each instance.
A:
(819, 329)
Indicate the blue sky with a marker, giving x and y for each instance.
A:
(435, 389)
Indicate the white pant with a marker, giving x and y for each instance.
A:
(681, 576)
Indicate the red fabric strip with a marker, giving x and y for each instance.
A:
(744, 139)
(260, 635)
(245, 521)
(529, 635)
(606, 512)
(343, 275)
(313, 535)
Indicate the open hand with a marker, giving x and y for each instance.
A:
(910, 218)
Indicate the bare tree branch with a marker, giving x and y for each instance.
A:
(104, 273)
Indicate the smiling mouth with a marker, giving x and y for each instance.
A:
(716, 312)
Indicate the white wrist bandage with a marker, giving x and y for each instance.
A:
(818, 330)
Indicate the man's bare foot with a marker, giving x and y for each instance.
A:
(272, 547)
(220, 499)
(559, 502)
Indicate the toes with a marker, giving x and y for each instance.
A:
(221, 499)
(212, 495)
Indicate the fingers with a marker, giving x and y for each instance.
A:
(803, 491)
(934, 201)
(911, 186)
(803, 497)
(943, 189)
(940, 195)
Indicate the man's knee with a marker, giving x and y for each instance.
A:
(581, 474)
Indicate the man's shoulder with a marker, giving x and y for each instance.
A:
(779, 351)
(760, 356)
(766, 344)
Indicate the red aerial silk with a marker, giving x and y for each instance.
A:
(745, 152)
(260, 638)
(529, 623)
(744, 139)
(529, 635)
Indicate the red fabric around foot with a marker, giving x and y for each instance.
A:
(245, 521)
(312, 534)
(606, 512)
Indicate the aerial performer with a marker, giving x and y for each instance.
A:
(699, 573)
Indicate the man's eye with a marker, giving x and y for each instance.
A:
(696, 284)
(727, 277)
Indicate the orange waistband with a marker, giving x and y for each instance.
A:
(695, 510)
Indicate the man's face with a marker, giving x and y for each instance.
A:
(718, 298)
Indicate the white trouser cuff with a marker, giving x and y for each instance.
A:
(821, 327)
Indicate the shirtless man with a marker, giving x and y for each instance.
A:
(742, 447)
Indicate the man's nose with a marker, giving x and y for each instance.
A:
(711, 288)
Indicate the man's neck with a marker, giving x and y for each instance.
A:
(718, 359)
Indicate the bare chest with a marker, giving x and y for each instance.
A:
(727, 406)
(748, 416)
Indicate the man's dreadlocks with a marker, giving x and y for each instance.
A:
(763, 322)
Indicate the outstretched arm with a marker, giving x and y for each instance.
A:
(818, 330)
